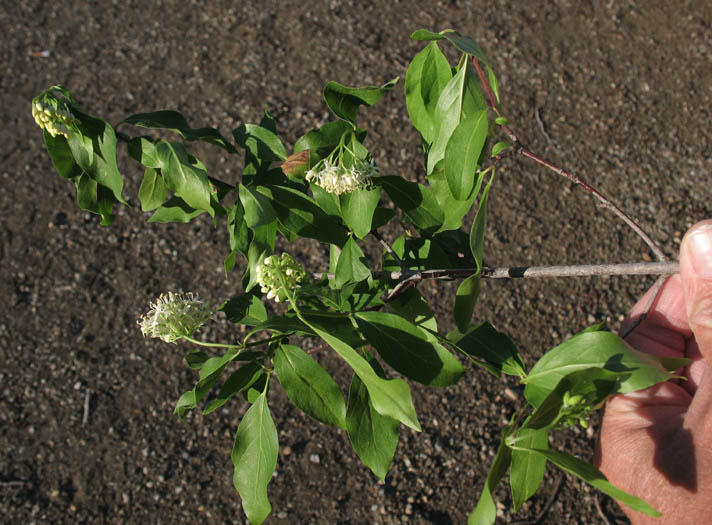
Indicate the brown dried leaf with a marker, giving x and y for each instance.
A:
(296, 163)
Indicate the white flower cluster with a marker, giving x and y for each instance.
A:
(52, 114)
(337, 179)
(174, 316)
(267, 275)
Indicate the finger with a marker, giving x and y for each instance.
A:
(696, 277)
(699, 416)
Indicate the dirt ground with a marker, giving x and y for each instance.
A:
(618, 93)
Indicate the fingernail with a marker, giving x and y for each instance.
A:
(700, 246)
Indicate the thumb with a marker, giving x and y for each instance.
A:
(696, 274)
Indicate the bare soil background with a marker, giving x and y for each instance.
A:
(623, 95)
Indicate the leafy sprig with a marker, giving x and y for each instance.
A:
(329, 189)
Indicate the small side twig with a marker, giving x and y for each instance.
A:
(542, 127)
(87, 402)
(649, 305)
(600, 511)
(316, 349)
(388, 248)
(540, 123)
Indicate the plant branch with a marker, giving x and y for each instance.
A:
(520, 272)
(605, 202)
(388, 248)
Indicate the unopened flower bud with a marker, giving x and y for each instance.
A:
(273, 269)
(52, 114)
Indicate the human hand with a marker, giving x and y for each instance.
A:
(657, 443)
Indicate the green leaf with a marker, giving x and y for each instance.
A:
(95, 198)
(594, 385)
(309, 386)
(246, 309)
(527, 470)
(254, 456)
(389, 397)
(593, 350)
(61, 156)
(262, 245)
(340, 327)
(427, 75)
(195, 359)
(357, 208)
(453, 210)
(408, 349)
(323, 140)
(464, 43)
(381, 217)
(477, 233)
(353, 151)
(238, 233)
(373, 436)
(174, 121)
(413, 306)
(469, 289)
(302, 216)
(499, 148)
(258, 208)
(465, 300)
(494, 85)
(485, 342)
(459, 100)
(485, 512)
(185, 178)
(281, 324)
(263, 143)
(94, 150)
(416, 254)
(416, 200)
(594, 477)
(344, 101)
(462, 154)
(174, 209)
(210, 372)
(143, 150)
(153, 191)
(255, 390)
(351, 267)
(239, 381)
(329, 202)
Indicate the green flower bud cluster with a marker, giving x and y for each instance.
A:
(174, 316)
(52, 114)
(338, 179)
(268, 275)
(576, 409)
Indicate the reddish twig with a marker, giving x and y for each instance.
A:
(605, 202)
(576, 179)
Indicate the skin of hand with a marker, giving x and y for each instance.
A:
(657, 443)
